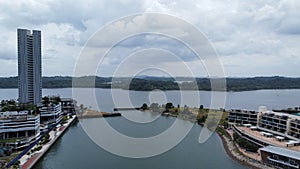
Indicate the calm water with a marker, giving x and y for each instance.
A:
(76, 150)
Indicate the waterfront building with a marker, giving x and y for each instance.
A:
(273, 122)
(237, 116)
(68, 106)
(294, 128)
(29, 66)
(280, 124)
(19, 129)
(280, 157)
(276, 133)
(51, 114)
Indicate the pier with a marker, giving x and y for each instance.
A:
(96, 114)
(127, 109)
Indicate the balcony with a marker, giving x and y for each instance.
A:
(283, 162)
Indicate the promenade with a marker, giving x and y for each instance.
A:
(29, 160)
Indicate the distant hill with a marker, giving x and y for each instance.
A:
(148, 83)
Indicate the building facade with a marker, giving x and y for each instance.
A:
(68, 106)
(282, 124)
(294, 128)
(29, 66)
(274, 122)
(50, 115)
(280, 157)
(238, 116)
(19, 129)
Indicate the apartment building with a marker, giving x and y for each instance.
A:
(51, 114)
(237, 116)
(19, 129)
(282, 124)
(68, 106)
(29, 66)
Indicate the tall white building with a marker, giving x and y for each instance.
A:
(29, 66)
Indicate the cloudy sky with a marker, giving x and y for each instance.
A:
(251, 38)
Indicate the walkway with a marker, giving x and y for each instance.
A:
(28, 161)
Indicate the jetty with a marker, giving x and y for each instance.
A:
(96, 114)
(127, 109)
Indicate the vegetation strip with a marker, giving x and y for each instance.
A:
(162, 83)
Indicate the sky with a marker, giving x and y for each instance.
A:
(250, 38)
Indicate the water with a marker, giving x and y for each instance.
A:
(273, 99)
(76, 150)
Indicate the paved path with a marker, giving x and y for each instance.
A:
(28, 161)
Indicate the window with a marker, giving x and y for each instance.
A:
(275, 156)
(293, 162)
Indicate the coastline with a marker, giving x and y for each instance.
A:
(29, 161)
(231, 151)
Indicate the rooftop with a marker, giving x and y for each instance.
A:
(261, 135)
(282, 114)
(66, 99)
(282, 151)
(10, 114)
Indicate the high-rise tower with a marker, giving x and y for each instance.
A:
(29, 66)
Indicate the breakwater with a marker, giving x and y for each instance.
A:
(127, 109)
(95, 114)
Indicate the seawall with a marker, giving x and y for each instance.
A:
(30, 162)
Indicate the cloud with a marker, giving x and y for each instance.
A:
(239, 30)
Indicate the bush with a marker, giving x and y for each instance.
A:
(249, 146)
(39, 148)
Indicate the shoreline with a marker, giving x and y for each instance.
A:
(231, 151)
(31, 161)
(229, 91)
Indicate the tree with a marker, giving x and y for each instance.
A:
(81, 107)
(144, 106)
(46, 100)
(169, 105)
(55, 99)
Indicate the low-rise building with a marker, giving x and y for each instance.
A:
(51, 114)
(19, 129)
(273, 122)
(282, 124)
(68, 106)
(294, 128)
(237, 116)
(280, 157)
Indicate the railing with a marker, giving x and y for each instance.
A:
(12, 162)
(283, 162)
